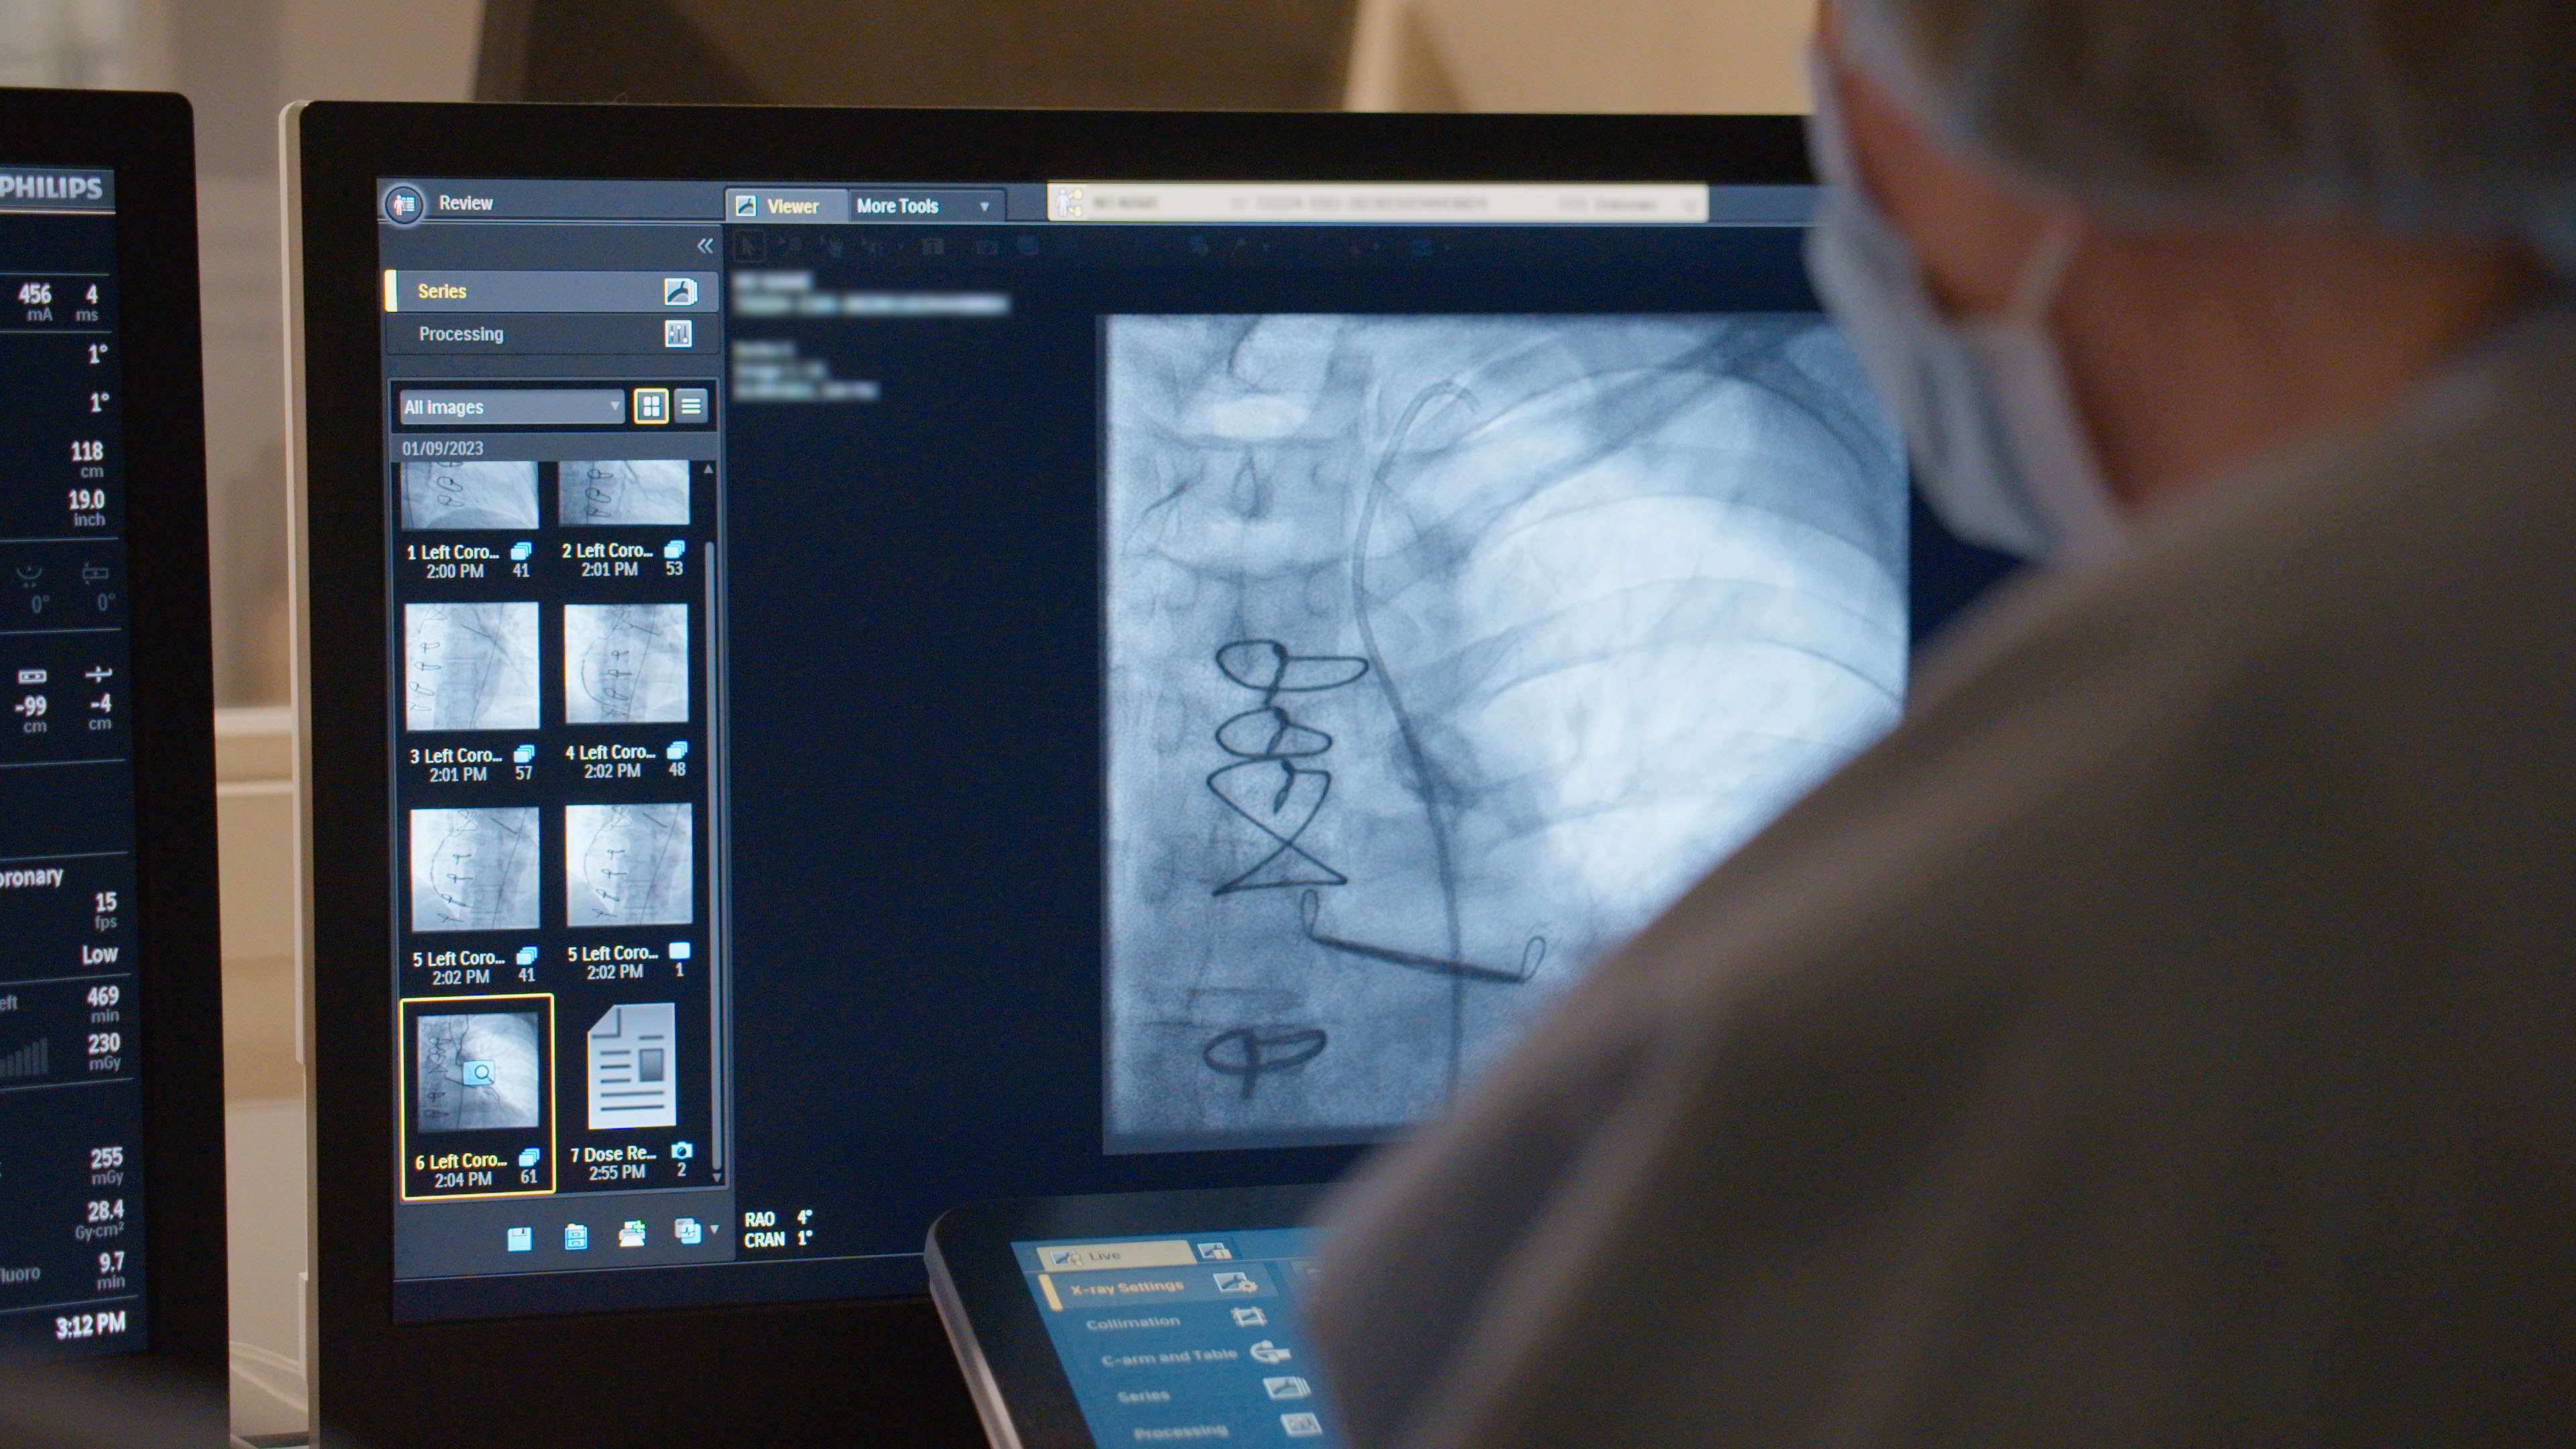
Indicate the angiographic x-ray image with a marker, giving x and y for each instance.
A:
(474, 870)
(1443, 654)
(470, 666)
(480, 1070)
(469, 495)
(626, 663)
(613, 492)
(627, 865)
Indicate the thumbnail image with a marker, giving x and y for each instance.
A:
(634, 1067)
(474, 870)
(627, 865)
(469, 495)
(609, 493)
(626, 663)
(478, 1070)
(1443, 653)
(470, 666)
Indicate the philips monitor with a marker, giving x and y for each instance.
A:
(865, 661)
(111, 1070)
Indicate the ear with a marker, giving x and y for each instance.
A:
(1971, 227)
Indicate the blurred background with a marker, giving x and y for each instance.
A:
(239, 61)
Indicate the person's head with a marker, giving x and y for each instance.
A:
(2284, 213)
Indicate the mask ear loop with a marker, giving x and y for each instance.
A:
(2045, 271)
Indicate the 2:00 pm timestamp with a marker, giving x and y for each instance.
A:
(106, 1323)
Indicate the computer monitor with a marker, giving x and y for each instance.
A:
(111, 1057)
(862, 661)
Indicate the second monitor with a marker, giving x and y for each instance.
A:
(987, 672)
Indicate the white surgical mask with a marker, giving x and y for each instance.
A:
(1999, 447)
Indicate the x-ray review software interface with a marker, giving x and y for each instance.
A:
(913, 693)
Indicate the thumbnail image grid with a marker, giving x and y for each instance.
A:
(620, 492)
(626, 663)
(474, 870)
(470, 666)
(474, 1071)
(469, 495)
(628, 865)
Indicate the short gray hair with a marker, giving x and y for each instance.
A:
(2455, 117)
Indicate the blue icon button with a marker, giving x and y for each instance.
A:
(523, 1240)
(679, 750)
(531, 1156)
(576, 1237)
(527, 955)
(521, 551)
(675, 548)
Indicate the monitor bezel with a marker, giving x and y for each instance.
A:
(807, 1372)
(150, 141)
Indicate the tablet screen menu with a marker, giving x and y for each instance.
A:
(1174, 1340)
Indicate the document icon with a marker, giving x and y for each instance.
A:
(632, 1063)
